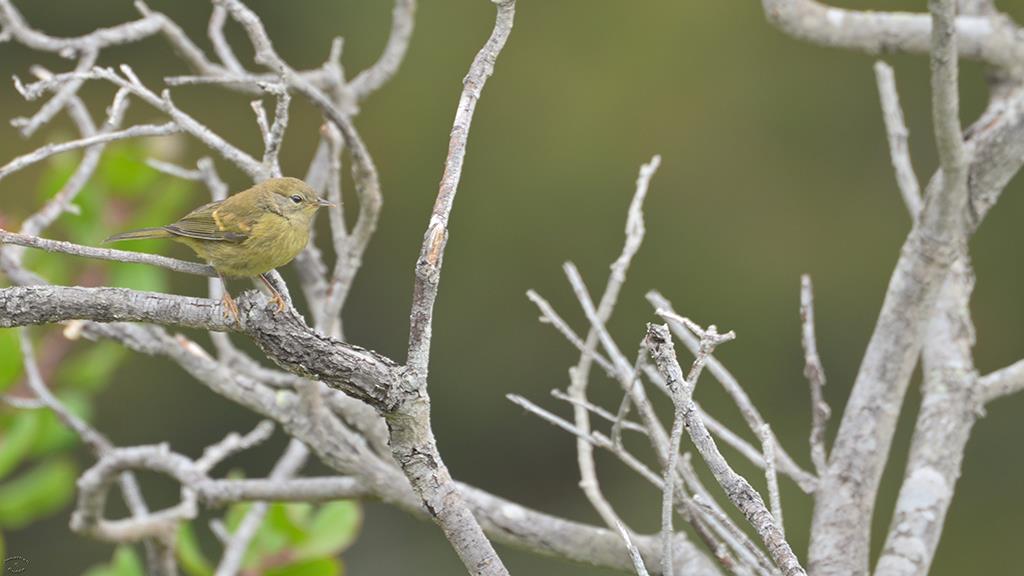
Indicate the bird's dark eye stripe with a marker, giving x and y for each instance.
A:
(296, 198)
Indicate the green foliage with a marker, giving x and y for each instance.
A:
(191, 558)
(35, 468)
(124, 563)
(19, 434)
(10, 368)
(300, 539)
(45, 488)
(332, 529)
(317, 567)
(36, 471)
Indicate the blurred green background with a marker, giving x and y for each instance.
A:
(774, 164)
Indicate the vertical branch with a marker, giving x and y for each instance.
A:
(580, 374)
(949, 408)
(841, 529)
(428, 267)
(682, 394)
(815, 374)
(771, 479)
(412, 439)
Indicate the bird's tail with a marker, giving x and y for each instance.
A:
(140, 234)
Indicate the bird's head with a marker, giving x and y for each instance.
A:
(294, 197)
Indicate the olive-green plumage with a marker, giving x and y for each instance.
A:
(249, 233)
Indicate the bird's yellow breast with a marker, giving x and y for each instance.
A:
(273, 241)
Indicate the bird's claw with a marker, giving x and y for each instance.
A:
(230, 308)
(279, 300)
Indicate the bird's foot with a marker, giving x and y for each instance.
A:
(279, 300)
(230, 308)
(274, 294)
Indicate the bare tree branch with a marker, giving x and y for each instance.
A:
(739, 491)
(751, 415)
(949, 409)
(60, 247)
(896, 130)
(815, 374)
(1002, 382)
(841, 527)
(403, 16)
(991, 39)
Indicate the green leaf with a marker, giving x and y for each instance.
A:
(333, 529)
(235, 514)
(124, 563)
(91, 369)
(41, 491)
(18, 438)
(190, 555)
(317, 567)
(288, 520)
(10, 351)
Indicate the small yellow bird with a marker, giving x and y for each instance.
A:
(247, 234)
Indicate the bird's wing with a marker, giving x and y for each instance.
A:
(208, 222)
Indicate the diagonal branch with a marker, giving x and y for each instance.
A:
(739, 491)
(403, 17)
(896, 130)
(658, 342)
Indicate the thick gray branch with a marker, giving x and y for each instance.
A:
(283, 336)
(992, 39)
(842, 515)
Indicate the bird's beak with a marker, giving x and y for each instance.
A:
(322, 202)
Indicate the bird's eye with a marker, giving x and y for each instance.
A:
(296, 198)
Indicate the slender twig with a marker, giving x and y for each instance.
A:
(61, 201)
(287, 465)
(815, 374)
(615, 419)
(739, 491)
(634, 554)
(682, 394)
(60, 99)
(61, 247)
(750, 413)
(402, 20)
(549, 316)
(44, 152)
(896, 130)
(1002, 382)
(771, 479)
(730, 533)
(580, 373)
(215, 30)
